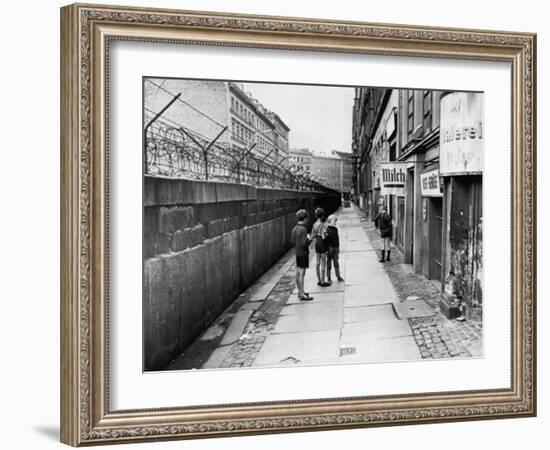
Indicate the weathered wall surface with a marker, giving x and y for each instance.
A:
(464, 274)
(204, 243)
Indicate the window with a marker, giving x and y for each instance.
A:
(427, 108)
(410, 112)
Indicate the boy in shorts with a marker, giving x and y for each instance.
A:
(332, 242)
(301, 240)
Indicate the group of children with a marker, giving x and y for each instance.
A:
(327, 246)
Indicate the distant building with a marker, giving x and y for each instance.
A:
(347, 170)
(206, 107)
(334, 171)
(280, 136)
(327, 171)
(300, 160)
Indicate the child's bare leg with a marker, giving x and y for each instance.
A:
(300, 280)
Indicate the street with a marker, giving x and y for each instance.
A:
(381, 312)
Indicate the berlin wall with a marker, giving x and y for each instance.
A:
(194, 228)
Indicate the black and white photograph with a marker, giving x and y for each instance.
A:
(298, 225)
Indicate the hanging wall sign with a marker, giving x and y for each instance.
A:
(461, 134)
(430, 185)
(392, 178)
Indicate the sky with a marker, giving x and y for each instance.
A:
(319, 117)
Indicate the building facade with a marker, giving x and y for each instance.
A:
(327, 170)
(300, 160)
(420, 154)
(346, 172)
(206, 107)
(333, 171)
(280, 138)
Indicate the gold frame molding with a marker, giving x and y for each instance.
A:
(86, 31)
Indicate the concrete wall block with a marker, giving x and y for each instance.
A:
(215, 228)
(252, 193)
(151, 220)
(176, 218)
(230, 192)
(232, 269)
(181, 240)
(263, 246)
(278, 212)
(209, 212)
(149, 240)
(255, 261)
(253, 207)
(234, 223)
(250, 220)
(205, 192)
(162, 244)
(197, 235)
(245, 267)
(166, 191)
(261, 194)
(214, 269)
(194, 287)
(148, 335)
(162, 294)
(244, 208)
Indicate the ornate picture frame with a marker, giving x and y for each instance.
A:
(86, 33)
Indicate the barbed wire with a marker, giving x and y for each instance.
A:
(174, 150)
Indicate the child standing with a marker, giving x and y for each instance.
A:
(332, 242)
(318, 233)
(301, 240)
(383, 222)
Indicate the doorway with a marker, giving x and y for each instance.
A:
(400, 234)
(435, 227)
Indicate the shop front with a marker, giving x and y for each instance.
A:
(432, 218)
(461, 167)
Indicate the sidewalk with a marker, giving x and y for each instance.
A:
(363, 319)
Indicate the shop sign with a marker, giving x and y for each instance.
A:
(461, 134)
(392, 178)
(430, 184)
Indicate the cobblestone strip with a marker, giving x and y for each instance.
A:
(245, 350)
(436, 336)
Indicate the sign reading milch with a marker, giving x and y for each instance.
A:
(392, 178)
(461, 136)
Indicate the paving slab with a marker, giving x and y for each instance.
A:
(260, 291)
(312, 287)
(365, 275)
(367, 313)
(236, 328)
(304, 322)
(368, 295)
(313, 308)
(251, 306)
(413, 308)
(216, 358)
(319, 297)
(304, 347)
(374, 330)
(351, 255)
(385, 350)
